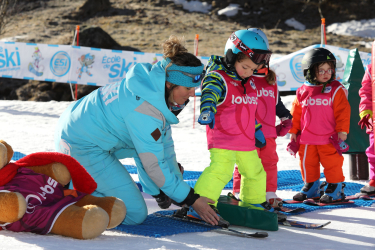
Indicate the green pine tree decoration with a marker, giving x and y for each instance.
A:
(357, 140)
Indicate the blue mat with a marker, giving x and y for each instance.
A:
(17, 156)
(155, 226)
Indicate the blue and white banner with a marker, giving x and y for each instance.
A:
(289, 72)
(99, 67)
(70, 64)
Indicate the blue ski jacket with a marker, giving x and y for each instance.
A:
(131, 119)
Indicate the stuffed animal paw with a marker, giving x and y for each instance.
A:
(33, 197)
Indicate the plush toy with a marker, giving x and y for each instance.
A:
(33, 197)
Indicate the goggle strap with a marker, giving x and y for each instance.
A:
(196, 78)
(241, 46)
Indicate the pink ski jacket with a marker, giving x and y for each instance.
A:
(235, 117)
(319, 115)
(266, 110)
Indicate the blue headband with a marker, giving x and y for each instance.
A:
(187, 76)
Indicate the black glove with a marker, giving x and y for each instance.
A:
(181, 168)
(163, 200)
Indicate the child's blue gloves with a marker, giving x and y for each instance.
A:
(260, 141)
(207, 117)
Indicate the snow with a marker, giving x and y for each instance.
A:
(29, 127)
(231, 10)
(194, 6)
(361, 28)
(292, 22)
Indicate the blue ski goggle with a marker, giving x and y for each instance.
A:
(196, 78)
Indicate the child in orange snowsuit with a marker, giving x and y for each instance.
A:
(321, 113)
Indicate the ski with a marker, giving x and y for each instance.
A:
(294, 202)
(312, 202)
(290, 210)
(223, 229)
(301, 224)
(361, 196)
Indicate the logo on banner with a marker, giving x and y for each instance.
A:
(34, 67)
(9, 60)
(86, 62)
(296, 69)
(117, 66)
(60, 63)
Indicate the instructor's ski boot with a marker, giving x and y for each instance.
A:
(334, 192)
(193, 214)
(369, 189)
(311, 190)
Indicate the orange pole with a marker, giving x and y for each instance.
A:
(323, 32)
(77, 32)
(196, 54)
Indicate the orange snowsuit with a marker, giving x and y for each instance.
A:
(318, 116)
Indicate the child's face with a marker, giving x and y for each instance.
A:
(245, 68)
(324, 73)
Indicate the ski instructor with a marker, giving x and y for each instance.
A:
(132, 119)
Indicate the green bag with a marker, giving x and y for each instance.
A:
(242, 214)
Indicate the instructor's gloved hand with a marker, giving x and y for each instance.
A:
(207, 117)
(163, 200)
(181, 168)
(260, 140)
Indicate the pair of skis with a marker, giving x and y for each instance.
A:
(315, 202)
(223, 229)
(361, 196)
(181, 216)
(300, 224)
(347, 200)
(291, 223)
(286, 222)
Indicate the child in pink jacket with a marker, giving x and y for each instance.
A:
(365, 112)
(269, 105)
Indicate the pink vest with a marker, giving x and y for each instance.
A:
(235, 117)
(317, 118)
(266, 110)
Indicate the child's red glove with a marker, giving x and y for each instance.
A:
(293, 146)
(339, 144)
(365, 122)
(284, 126)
